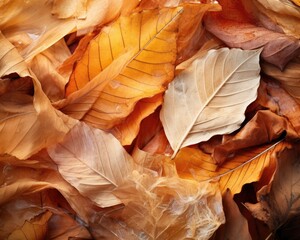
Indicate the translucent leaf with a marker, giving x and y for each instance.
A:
(93, 162)
(210, 102)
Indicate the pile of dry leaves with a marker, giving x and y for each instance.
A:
(128, 119)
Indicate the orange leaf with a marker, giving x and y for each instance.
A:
(129, 128)
(34, 229)
(246, 167)
(149, 41)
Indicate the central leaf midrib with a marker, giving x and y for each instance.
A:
(209, 100)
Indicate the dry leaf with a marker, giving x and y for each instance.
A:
(207, 103)
(19, 181)
(191, 33)
(263, 128)
(246, 167)
(93, 162)
(283, 13)
(142, 72)
(19, 18)
(279, 201)
(62, 226)
(169, 207)
(34, 229)
(27, 124)
(45, 67)
(278, 48)
(289, 77)
(127, 131)
(236, 226)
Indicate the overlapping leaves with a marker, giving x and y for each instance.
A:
(217, 91)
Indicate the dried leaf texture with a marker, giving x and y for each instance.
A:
(284, 13)
(279, 201)
(149, 41)
(278, 48)
(17, 182)
(27, 124)
(21, 20)
(34, 229)
(45, 67)
(236, 226)
(169, 207)
(207, 103)
(289, 77)
(246, 167)
(127, 131)
(93, 162)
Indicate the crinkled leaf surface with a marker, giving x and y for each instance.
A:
(168, 207)
(278, 48)
(93, 162)
(35, 229)
(289, 77)
(284, 13)
(27, 124)
(279, 201)
(210, 97)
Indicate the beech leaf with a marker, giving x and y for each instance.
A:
(93, 162)
(200, 103)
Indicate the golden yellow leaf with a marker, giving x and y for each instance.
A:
(149, 39)
(35, 229)
(245, 168)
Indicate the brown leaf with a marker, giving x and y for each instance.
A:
(63, 226)
(236, 226)
(279, 201)
(289, 77)
(45, 65)
(278, 48)
(34, 229)
(191, 33)
(263, 128)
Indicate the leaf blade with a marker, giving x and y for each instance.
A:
(196, 122)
